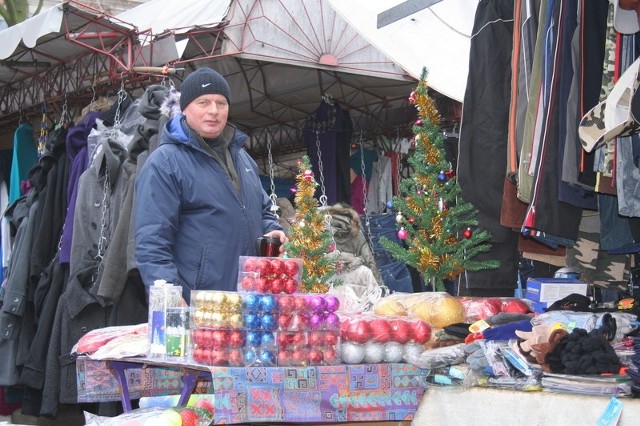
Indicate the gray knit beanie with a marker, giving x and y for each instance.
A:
(203, 81)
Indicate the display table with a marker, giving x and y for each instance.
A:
(323, 394)
(495, 407)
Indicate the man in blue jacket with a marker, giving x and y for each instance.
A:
(199, 200)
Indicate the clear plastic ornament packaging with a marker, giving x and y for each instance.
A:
(164, 297)
(372, 339)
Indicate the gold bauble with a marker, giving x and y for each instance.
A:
(234, 302)
(235, 320)
(207, 319)
(200, 299)
(218, 299)
(217, 319)
(198, 318)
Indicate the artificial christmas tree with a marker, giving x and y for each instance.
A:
(309, 237)
(437, 226)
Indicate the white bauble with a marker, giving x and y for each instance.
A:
(373, 352)
(412, 352)
(352, 353)
(393, 352)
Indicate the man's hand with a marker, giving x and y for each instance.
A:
(281, 236)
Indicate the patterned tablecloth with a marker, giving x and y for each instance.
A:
(340, 393)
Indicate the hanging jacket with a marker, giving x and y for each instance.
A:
(77, 151)
(13, 295)
(194, 224)
(119, 260)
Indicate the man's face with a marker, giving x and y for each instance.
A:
(207, 115)
(630, 5)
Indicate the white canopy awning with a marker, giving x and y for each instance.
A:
(437, 38)
(162, 15)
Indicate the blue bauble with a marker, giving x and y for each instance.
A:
(249, 357)
(442, 177)
(254, 338)
(268, 339)
(268, 322)
(267, 303)
(390, 205)
(267, 358)
(251, 321)
(251, 302)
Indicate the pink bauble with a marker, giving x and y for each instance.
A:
(359, 331)
(317, 303)
(316, 321)
(331, 321)
(333, 303)
(380, 330)
(421, 332)
(401, 331)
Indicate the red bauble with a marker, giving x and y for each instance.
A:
(380, 330)
(197, 337)
(291, 267)
(316, 338)
(344, 327)
(206, 338)
(299, 357)
(307, 175)
(236, 339)
(198, 355)
(284, 321)
(330, 356)
(277, 286)
(249, 265)
(290, 286)
(299, 339)
(359, 331)
(315, 356)
(450, 173)
(284, 340)
(331, 338)
(263, 266)
(515, 306)
(477, 308)
(300, 304)
(400, 331)
(235, 357)
(277, 266)
(263, 285)
(218, 357)
(467, 233)
(248, 283)
(205, 356)
(412, 98)
(286, 304)
(421, 332)
(219, 339)
(284, 358)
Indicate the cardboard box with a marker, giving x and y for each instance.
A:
(549, 290)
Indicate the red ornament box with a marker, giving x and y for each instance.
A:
(273, 275)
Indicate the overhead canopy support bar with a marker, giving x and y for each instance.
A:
(403, 10)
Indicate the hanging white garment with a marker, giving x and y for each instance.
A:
(381, 186)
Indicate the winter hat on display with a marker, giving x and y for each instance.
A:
(203, 81)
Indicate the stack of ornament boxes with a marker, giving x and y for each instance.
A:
(267, 322)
